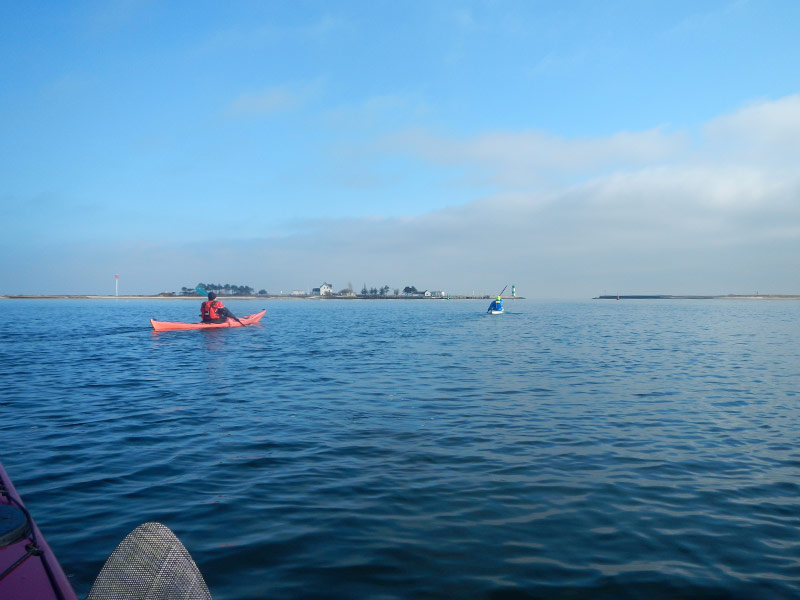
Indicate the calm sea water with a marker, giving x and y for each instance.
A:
(418, 449)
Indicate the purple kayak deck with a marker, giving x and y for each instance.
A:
(35, 577)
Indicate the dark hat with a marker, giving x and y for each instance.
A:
(211, 295)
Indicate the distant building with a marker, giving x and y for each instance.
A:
(298, 293)
(326, 289)
(437, 294)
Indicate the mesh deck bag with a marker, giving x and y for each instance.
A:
(150, 564)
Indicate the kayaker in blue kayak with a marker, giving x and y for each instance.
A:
(213, 311)
(496, 305)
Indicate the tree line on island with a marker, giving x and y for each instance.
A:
(384, 291)
(223, 290)
(246, 290)
(381, 292)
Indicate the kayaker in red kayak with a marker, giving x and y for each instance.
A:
(213, 311)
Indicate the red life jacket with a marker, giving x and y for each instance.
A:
(208, 310)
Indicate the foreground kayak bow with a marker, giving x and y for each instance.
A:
(169, 326)
(28, 568)
(149, 564)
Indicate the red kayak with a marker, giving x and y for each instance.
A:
(28, 568)
(170, 326)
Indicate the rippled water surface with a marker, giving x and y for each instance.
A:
(418, 449)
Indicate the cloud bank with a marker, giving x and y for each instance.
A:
(713, 211)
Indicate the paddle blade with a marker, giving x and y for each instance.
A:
(201, 290)
(150, 564)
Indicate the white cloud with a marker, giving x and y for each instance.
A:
(260, 35)
(554, 63)
(704, 21)
(110, 16)
(532, 158)
(464, 19)
(765, 131)
(377, 112)
(268, 101)
(326, 26)
(273, 100)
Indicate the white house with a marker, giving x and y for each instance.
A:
(326, 289)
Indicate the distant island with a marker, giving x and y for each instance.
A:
(294, 296)
(417, 296)
(725, 297)
(324, 291)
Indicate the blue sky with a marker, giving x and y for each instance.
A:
(571, 148)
